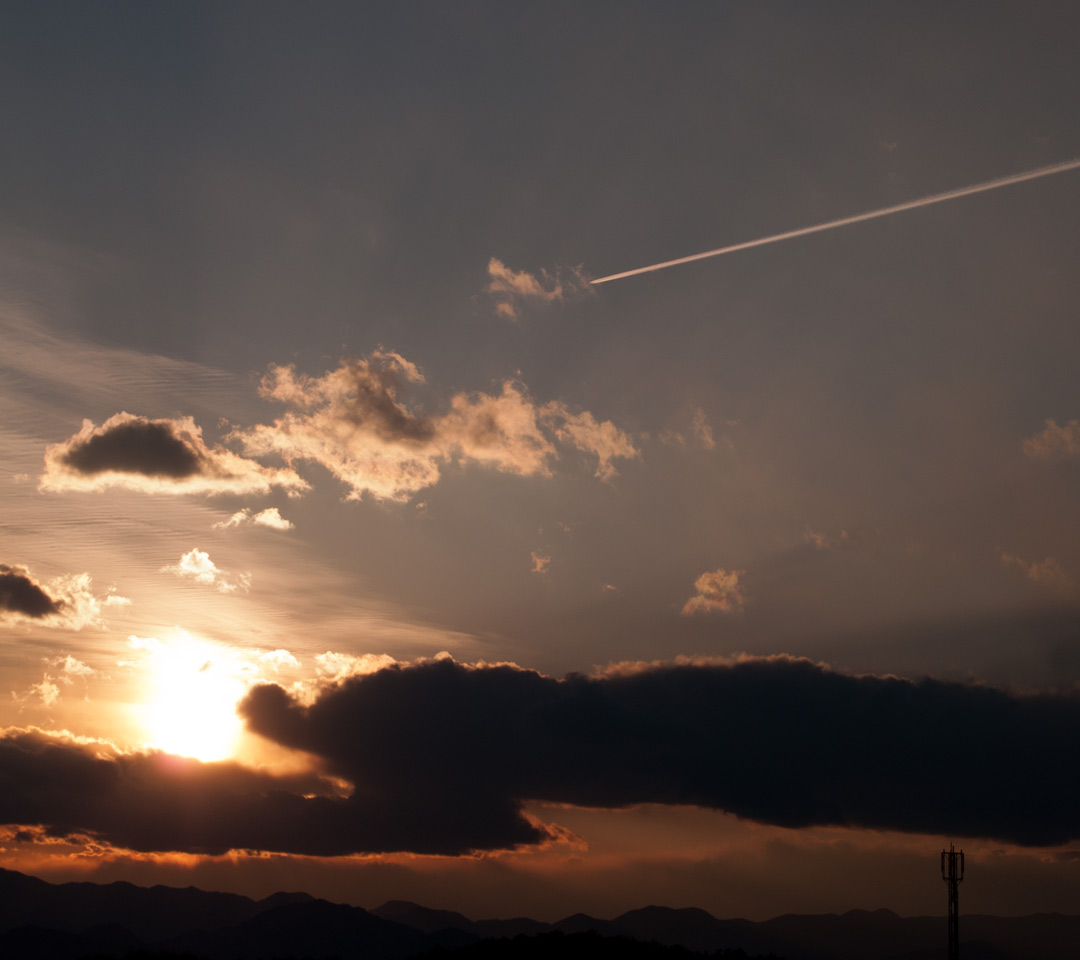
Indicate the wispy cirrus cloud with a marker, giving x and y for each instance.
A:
(512, 288)
(356, 421)
(1055, 442)
(155, 456)
(196, 565)
(717, 590)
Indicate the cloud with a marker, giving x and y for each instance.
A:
(355, 421)
(501, 430)
(821, 541)
(270, 517)
(71, 671)
(451, 753)
(702, 430)
(605, 440)
(511, 288)
(155, 456)
(48, 691)
(539, 562)
(776, 740)
(700, 434)
(196, 565)
(144, 800)
(22, 598)
(717, 589)
(66, 602)
(352, 422)
(1048, 572)
(278, 660)
(1055, 442)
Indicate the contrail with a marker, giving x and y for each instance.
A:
(858, 218)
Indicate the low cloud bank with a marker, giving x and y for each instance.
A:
(780, 741)
(441, 757)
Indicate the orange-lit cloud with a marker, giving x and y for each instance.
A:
(501, 430)
(703, 430)
(355, 422)
(605, 440)
(1048, 572)
(540, 561)
(821, 541)
(155, 456)
(1055, 442)
(511, 288)
(717, 590)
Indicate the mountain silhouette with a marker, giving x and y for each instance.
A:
(71, 921)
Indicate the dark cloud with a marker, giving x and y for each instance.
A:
(155, 456)
(150, 447)
(22, 596)
(442, 756)
(780, 741)
(151, 801)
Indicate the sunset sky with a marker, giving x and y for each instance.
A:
(354, 541)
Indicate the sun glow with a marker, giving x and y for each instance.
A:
(193, 689)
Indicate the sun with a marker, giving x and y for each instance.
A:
(191, 697)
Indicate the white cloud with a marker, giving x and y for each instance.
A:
(72, 669)
(270, 517)
(333, 666)
(196, 565)
(47, 691)
(278, 660)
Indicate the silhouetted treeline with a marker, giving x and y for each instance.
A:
(556, 945)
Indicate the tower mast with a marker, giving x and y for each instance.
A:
(952, 872)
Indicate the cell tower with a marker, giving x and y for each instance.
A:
(952, 872)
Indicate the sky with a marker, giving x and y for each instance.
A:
(355, 541)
